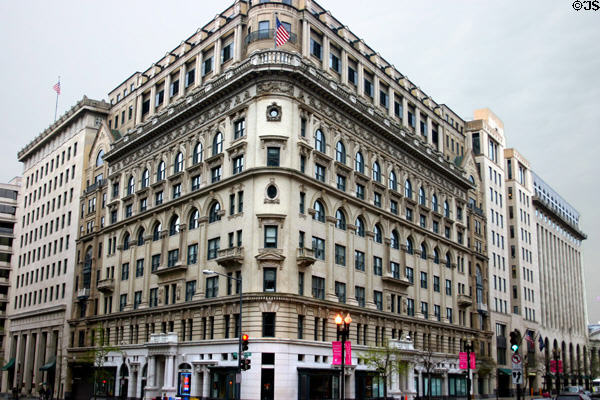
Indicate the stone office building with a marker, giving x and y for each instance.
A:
(43, 267)
(316, 174)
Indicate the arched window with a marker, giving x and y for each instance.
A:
(140, 238)
(376, 172)
(409, 246)
(448, 260)
(378, 233)
(156, 231)
(194, 216)
(217, 144)
(213, 214)
(197, 155)
(422, 198)
(423, 251)
(126, 241)
(320, 141)
(340, 219)
(393, 181)
(145, 178)
(446, 209)
(160, 171)
(479, 285)
(174, 225)
(340, 152)
(100, 158)
(434, 203)
(359, 163)
(319, 211)
(436, 256)
(360, 227)
(178, 165)
(130, 185)
(408, 189)
(394, 240)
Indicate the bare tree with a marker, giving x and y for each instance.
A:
(97, 356)
(427, 361)
(386, 360)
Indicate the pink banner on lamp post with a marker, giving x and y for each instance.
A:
(337, 353)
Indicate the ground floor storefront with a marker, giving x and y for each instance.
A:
(280, 369)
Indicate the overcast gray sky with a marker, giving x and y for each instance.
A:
(535, 63)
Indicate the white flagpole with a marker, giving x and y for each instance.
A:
(56, 106)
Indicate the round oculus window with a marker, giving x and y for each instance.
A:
(274, 113)
(272, 191)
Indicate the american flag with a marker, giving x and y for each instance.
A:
(56, 87)
(529, 339)
(281, 34)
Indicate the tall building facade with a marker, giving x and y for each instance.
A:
(43, 263)
(316, 175)
(563, 316)
(9, 193)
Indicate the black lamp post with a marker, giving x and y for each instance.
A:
(343, 331)
(239, 368)
(469, 350)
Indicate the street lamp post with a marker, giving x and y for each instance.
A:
(239, 368)
(469, 350)
(343, 330)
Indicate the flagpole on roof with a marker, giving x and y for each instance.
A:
(57, 90)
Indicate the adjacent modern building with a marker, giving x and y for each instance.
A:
(44, 252)
(563, 314)
(9, 193)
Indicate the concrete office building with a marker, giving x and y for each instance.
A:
(563, 309)
(43, 258)
(523, 259)
(318, 175)
(8, 208)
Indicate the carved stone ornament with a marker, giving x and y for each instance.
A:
(274, 112)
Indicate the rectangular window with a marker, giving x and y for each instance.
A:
(340, 291)
(300, 326)
(359, 260)
(378, 299)
(226, 52)
(273, 156)
(395, 268)
(340, 255)
(268, 324)
(352, 72)
(436, 283)
(410, 274)
(302, 200)
(368, 84)
(359, 292)
(269, 279)
(158, 199)
(448, 287)
(270, 236)
(239, 128)
(341, 182)
(125, 271)
(301, 283)
(177, 191)
(318, 287)
(122, 302)
(173, 257)
(424, 280)
(153, 301)
(319, 172)
(425, 310)
(394, 207)
(139, 268)
(190, 290)
(238, 165)
(410, 307)
(315, 47)
(318, 245)
(212, 287)
(137, 299)
(213, 248)
(437, 312)
(360, 191)
(215, 174)
(207, 66)
(334, 60)
(192, 254)
(377, 266)
(409, 214)
(377, 199)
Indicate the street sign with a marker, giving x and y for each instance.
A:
(517, 362)
(517, 377)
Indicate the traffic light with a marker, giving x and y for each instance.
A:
(244, 342)
(515, 339)
(247, 364)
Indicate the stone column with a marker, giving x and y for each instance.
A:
(217, 58)
(152, 100)
(206, 384)
(369, 270)
(350, 268)
(151, 378)
(167, 89)
(330, 257)
(168, 376)
(325, 54)
(305, 39)
(404, 111)
(182, 75)
(199, 60)
(28, 362)
(132, 384)
(391, 99)
(238, 43)
(344, 67)
(139, 99)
